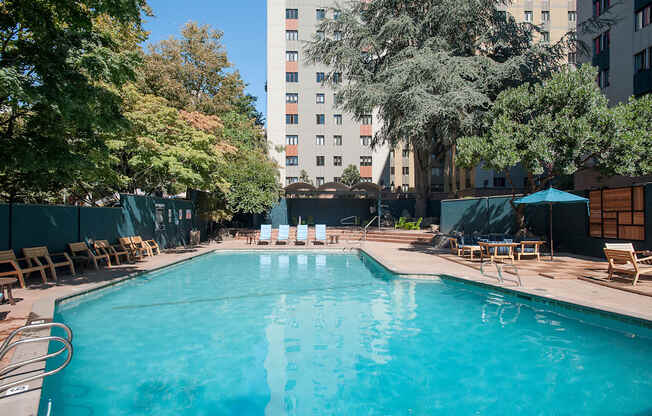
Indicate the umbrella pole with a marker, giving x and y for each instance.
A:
(551, 242)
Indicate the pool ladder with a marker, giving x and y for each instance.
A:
(499, 269)
(19, 385)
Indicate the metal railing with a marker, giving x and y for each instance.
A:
(499, 270)
(367, 226)
(346, 220)
(8, 345)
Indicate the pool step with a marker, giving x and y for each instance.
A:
(353, 234)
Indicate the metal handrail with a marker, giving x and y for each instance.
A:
(7, 345)
(344, 221)
(367, 226)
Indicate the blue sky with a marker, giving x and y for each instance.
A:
(243, 23)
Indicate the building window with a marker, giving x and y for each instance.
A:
(337, 160)
(321, 98)
(572, 16)
(545, 36)
(528, 16)
(291, 179)
(291, 97)
(365, 140)
(320, 160)
(291, 77)
(291, 119)
(366, 120)
(572, 58)
(640, 61)
(337, 140)
(643, 18)
(320, 35)
(291, 35)
(292, 140)
(499, 182)
(338, 119)
(321, 14)
(600, 6)
(601, 43)
(320, 118)
(337, 100)
(336, 14)
(291, 13)
(365, 160)
(319, 140)
(406, 153)
(405, 187)
(392, 170)
(320, 180)
(320, 77)
(603, 78)
(337, 179)
(545, 16)
(291, 56)
(405, 170)
(337, 77)
(364, 179)
(292, 161)
(337, 35)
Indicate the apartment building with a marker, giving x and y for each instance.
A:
(622, 52)
(307, 130)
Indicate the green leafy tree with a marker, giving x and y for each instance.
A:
(303, 177)
(350, 175)
(60, 65)
(560, 127)
(429, 68)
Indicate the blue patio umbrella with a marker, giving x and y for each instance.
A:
(548, 197)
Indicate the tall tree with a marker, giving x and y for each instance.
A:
(351, 175)
(430, 68)
(560, 127)
(193, 72)
(60, 65)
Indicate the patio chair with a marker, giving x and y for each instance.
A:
(265, 234)
(127, 245)
(400, 224)
(9, 257)
(529, 248)
(141, 244)
(154, 247)
(455, 246)
(87, 254)
(103, 246)
(413, 225)
(622, 257)
(33, 254)
(302, 234)
(283, 234)
(629, 247)
(320, 234)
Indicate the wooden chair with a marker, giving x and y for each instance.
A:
(622, 257)
(630, 247)
(455, 246)
(154, 246)
(87, 254)
(8, 257)
(103, 246)
(33, 254)
(139, 243)
(530, 248)
(127, 245)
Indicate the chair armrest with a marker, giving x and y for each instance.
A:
(13, 263)
(644, 259)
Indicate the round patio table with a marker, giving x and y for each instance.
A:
(5, 284)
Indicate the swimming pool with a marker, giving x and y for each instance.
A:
(281, 333)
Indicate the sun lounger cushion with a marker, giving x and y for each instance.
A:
(320, 232)
(302, 232)
(265, 232)
(283, 232)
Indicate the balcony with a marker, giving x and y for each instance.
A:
(601, 60)
(643, 82)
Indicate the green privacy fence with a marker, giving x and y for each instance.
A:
(570, 222)
(168, 221)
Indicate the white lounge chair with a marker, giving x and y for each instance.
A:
(265, 234)
(302, 234)
(283, 234)
(320, 233)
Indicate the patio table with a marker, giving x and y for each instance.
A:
(491, 250)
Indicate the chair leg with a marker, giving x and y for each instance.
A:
(22, 279)
(72, 268)
(636, 278)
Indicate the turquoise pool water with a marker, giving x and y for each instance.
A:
(314, 334)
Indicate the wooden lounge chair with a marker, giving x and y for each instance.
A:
(283, 234)
(630, 247)
(140, 244)
(265, 234)
(320, 234)
(81, 251)
(154, 246)
(33, 254)
(8, 257)
(618, 258)
(302, 235)
(454, 246)
(464, 249)
(129, 247)
(103, 246)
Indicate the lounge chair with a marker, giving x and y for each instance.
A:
(81, 251)
(629, 247)
(265, 234)
(140, 244)
(283, 234)
(302, 234)
(103, 246)
(622, 257)
(400, 224)
(127, 245)
(153, 245)
(33, 254)
(413, 225)
(320, 234)
(9, 257)
(462, 250)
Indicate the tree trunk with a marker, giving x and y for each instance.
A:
(447, 173)
(421, 181)
(453, 166)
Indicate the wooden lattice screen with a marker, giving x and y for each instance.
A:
(618, 213)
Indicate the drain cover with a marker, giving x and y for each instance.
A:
(17, 389)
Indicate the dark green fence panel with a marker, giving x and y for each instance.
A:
(278, 214)
(44, 225)
(139, 214)
(328, 211)
(4, 227)
(501, 216)
(434, 208)
(101, 224)
(464, 215)
(399, 207)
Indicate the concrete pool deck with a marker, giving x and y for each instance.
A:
(419, 262)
